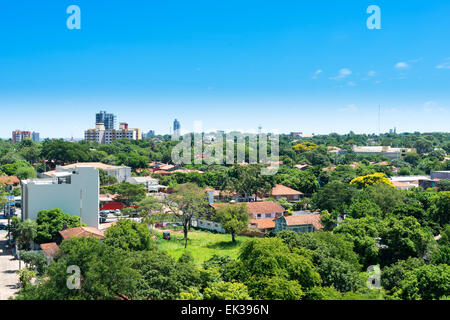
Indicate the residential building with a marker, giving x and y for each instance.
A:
(279, 191)
(387, 151)
(84, 232)
(73, 190)
(404, 185)
(263, 225)
(299, 223)
(18, 136)
(259, 210)
(50, 250)
(108, 119)
(151, 184)
(208, 225)
(408, 182)
(105, 136)
(10, 182)
(121, 173)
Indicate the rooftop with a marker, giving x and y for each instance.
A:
(263, 223)
(256, 207)
(81, 232)
(50, 249)
(280, 190)
(9, 180)
(305, 219)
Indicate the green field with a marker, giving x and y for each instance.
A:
(201, 244)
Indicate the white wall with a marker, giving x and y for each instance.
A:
(82, 194)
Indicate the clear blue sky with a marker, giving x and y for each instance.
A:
(310, 66)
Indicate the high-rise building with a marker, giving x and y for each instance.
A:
(176, 127)
(103, 136)
(35, 136)
(19, 136)
(149, 134)
(108, 119)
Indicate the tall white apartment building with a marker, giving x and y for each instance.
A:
(75, 191)
(105, 136)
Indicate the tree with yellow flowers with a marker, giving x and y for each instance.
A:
(305, 146)
(370, 180)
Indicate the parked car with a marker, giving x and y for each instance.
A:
(102, 220)
(3, 226)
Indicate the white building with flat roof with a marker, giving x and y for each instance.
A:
(387, 151)
(73, 190)
(121, 173)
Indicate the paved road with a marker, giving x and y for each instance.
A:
(8, 267)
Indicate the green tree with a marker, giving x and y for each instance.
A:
(187, 201)
(149, 206)
(404, 238)
(272, 258)
(275, 288)
(129, 235)
(27, 231)
(234, 218)
(50, 222)
(334, 196)
(128, 193)
(226, 291)
(428, 282)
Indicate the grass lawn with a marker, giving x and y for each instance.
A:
(201, 244)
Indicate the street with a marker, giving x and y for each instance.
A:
(8, 266)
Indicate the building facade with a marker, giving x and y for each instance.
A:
(74, 191)
(105, 136)
(18, 136)
(387, 151)
(108, 119)
(176, 127)
(299, 223)
(35, 136)
(121, 173)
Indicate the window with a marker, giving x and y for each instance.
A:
(268, 215)
(259, 215)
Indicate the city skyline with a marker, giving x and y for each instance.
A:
(285, 66)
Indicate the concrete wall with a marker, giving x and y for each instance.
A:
(79, 198)
(121, 174)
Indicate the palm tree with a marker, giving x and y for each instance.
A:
(27, 232)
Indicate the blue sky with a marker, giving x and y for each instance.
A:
(310, 66)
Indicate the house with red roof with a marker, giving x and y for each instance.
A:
(258, 210)
(280, 191)
(68, 234)
(302, 223)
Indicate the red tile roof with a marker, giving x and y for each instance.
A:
(257, 207)
(305, 219)
(9, 180)
(81, 232)
(50, 249)
(263, 223)
(280, 190)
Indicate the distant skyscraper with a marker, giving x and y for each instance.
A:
(108, 119)
(150, 134)
(176, 127)
(35, 136)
